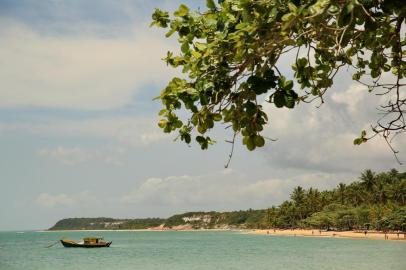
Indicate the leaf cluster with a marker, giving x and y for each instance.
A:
(230, 54)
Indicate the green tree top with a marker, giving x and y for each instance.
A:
(230, 54)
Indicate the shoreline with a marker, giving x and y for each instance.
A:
(333, 234)
(374, 235)
(148, 230)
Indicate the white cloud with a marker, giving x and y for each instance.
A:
(127, 131)
(321, 139)
(86, 73)
(64, 200)
(351, 97)
(221, 191)
(77, 155)
(45, 199)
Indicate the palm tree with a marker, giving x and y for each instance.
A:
(272, 215)
(324, 198)
(368, 179)
(381, 194)
(313, 200)
(341, 192)
(394, 173)
(356, 194)
(398, 192)
(287, 212)
(298, 195)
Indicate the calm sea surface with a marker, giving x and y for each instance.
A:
(198, 250)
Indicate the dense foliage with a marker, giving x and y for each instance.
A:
(211, 220)
(375, 201)
(232, 54)
(106, 223)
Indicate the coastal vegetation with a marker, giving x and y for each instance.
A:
(101, 223)
(376, 201)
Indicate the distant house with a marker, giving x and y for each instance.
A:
(204, 218)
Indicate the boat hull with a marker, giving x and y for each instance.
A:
(72, 244)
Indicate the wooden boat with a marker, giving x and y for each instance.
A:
(88, 242)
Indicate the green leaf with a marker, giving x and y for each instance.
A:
(279, 99)
(362, 139)
(333, 9)
(163, 112)
(357, 141)
(240, 26)
(250, 108)
(245, 140)
(160, 18)
(344, 18)
(182, 11)
(349, 7)
(178, 124)
(204, 142)
(201, 128)
(200, 46)
(302, 62)
(287, 85)
(288, 17)
(259, 141)
(292, 7)
(200, 139)
(217, 117)
(162, 123)
(250, 143)
(196, 54)
(185, 47)
(170, 33)
(187, 138)
(356, 76)
(290, 99)
(210, 4)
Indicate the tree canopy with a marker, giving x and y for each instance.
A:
(231, 55)
(377, 203)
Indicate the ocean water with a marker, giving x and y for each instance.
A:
(198, 251)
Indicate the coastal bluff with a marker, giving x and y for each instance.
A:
(249, 219)
(375, 202)
(103, 223)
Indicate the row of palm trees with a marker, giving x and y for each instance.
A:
(372, 191)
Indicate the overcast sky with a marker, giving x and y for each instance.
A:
(78, 133)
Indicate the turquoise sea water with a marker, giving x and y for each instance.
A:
(198, 250)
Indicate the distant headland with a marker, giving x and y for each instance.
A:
(375, 203)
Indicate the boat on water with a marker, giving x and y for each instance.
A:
(88, 242)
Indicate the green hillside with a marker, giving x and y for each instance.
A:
(374, 201)
(102, 223)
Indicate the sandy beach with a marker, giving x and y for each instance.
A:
(288, 232)
(341, 234)
(144, 230)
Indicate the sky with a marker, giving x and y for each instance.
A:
(78, 132)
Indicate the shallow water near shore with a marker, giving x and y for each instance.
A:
(198, 250)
